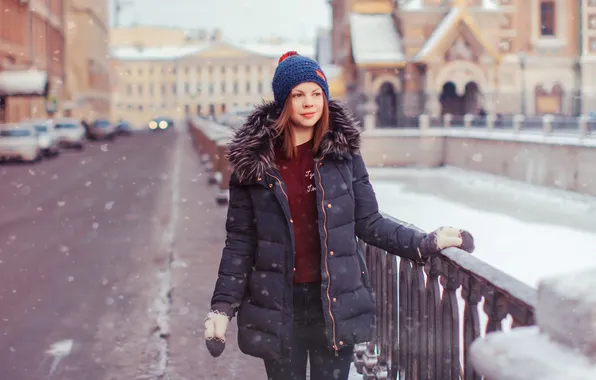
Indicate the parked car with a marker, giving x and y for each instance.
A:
(161, 123)
(123, 128)
(19, 142)
(46, 136)
(71, 133)
(102, 129)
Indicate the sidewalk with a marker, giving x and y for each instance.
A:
(199, 239)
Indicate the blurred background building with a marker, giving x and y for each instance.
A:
(32, 58)
(173, 72)
(407, 57)
(88, 87)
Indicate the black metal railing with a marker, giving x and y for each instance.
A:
(418, 334)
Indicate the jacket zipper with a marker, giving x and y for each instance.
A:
(287, 216)
(327, 258)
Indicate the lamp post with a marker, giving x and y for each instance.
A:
(118, 9)
(522, 65)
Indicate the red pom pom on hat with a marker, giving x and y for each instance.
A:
(286, 55)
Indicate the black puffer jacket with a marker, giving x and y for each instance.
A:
(255, 275)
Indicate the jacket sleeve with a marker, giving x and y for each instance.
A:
(239, 250)
(373, 228)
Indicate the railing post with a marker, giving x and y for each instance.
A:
(468, 119)
(547, 124)
(424, 123)
(490, 121)
(224, 172)
(370, 116)
(447, 118)
(518, 122)
(561, 346)
(583, 126)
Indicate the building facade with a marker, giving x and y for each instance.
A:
(32, 58)
(204, 76)
(407, 57)
(88, 71)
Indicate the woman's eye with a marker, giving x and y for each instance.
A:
(297, 95)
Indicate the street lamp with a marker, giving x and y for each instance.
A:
(522, 65)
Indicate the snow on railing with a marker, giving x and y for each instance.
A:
(561, 346)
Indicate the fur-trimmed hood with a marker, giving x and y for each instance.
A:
(251, 152)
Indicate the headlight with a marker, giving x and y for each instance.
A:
(153, 125)
(44, 141)
(163, 124)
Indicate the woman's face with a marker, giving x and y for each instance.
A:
(307, 104)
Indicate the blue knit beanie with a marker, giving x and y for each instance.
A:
(293, 69)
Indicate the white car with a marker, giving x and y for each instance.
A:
(46, 136)
(70, 132)
(19, 142)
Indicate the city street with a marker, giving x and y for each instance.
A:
(107, 262)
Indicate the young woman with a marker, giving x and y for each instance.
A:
(299, 198)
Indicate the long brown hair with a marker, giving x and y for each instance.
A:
(283, 127)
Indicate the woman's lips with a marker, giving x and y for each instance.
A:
(308, 115)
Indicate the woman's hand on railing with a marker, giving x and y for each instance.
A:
(445, 237)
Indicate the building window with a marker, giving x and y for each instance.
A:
(547, 18)
(174, 89)
(211, 89)
(248, 87)
(223, 87)
(187, 88)
(163, 89)
(129, 89)
(140, 89)
(260, 88)
(235, 88)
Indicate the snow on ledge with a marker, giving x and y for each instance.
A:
(561, 346)
(566, 310)
(554, 138)
(525, 353)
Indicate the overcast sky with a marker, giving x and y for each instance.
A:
(238, 19)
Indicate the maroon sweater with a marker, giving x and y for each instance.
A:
(298, 175)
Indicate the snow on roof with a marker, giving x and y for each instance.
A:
(273, 50)
(418, 5)
(412, 5)
(438, 33)
(490, 4)
(134, 53)
(276, 50)
(375, 39)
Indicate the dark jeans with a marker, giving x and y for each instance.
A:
(309, 342)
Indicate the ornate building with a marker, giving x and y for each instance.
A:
(407, 57)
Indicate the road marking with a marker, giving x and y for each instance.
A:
(58, 350)
(163, 302)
